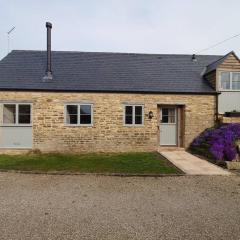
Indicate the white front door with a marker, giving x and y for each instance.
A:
(168, 126)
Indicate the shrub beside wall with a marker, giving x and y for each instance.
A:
(218, 143)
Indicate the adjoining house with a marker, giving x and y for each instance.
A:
(92, 102)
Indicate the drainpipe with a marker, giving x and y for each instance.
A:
(217, 115)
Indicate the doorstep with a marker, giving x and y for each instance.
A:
(170, 148)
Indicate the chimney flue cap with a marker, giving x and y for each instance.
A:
(194, 59)
(48, 25)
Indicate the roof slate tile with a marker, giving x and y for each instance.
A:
(114, 72)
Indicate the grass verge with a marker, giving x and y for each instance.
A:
(129, 163)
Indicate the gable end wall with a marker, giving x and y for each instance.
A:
(230, 64)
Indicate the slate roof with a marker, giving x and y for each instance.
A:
(106, 72)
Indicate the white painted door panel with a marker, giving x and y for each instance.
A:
(168, 134)
(15, 137)
(168, 126)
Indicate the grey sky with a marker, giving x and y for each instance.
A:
(145, 26)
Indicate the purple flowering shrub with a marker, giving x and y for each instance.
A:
(218, 143)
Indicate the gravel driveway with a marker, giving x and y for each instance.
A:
(98, 207)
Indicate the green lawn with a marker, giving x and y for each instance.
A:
(152, 163)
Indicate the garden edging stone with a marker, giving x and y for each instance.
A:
(93, 174)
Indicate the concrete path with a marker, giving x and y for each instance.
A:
(193, 165)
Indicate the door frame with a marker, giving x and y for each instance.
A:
(180, 124)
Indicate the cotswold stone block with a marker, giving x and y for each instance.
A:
(230, 119)
(108, 133)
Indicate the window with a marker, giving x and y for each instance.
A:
(16, 114)
(236, 81)
(78, 114)
(230, 81)
(168, 115)
(133, 115)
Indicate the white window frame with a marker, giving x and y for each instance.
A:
(78, 124)
(17, 115)
(220, 85)
(133, 113)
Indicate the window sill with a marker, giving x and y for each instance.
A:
(78, 125)
(228, 90)
(133, 125)
(16, 125)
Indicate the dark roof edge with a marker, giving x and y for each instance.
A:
(235, 55)
(118, 53)
(107, 91)
(223, 57)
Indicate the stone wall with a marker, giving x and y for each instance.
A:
(108, 134)
(229, 119)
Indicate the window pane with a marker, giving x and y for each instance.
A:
(24, 119)
(138, 119)
(171, 119)
(128, 119)
(164, 111)
(164, 119)
(128, 114)
(85, 109)
(24, 109)
(72, 109)
(236, 81)
(85, 114)
(85, 119)
(138, 110)
(72, 119)
(225, 80)
(128, 110)
(24, 113)
(9, 113)
(71, 114)
(171, 112)
(138, 114)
